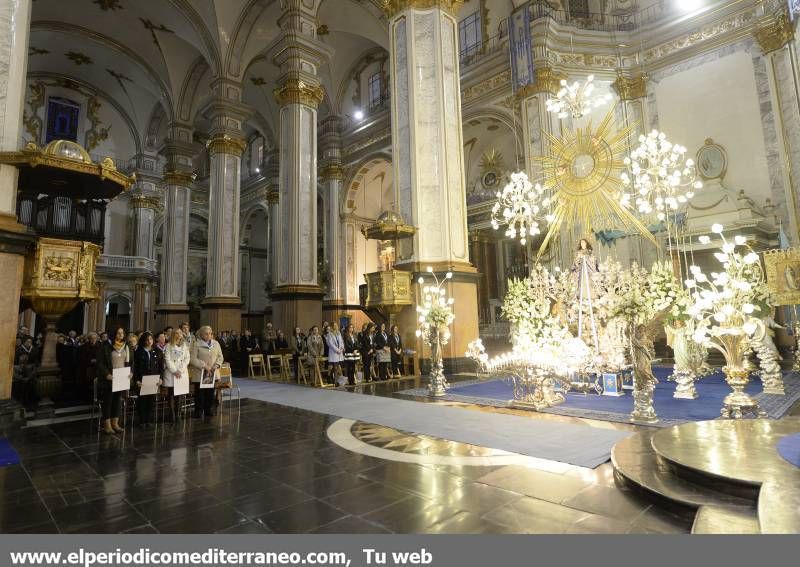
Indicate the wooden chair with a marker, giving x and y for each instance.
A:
(302, 374)
(255, 363)
(281, 370)
(320, 371)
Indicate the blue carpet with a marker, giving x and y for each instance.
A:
(711, 389)
(577, 444)
(8, 456)
(789, 448)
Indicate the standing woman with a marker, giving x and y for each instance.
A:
(335, 351)
(206, 357)
(116, 354)
(367, 350)
(146, 362)
(176, 365)
(315, 347)
(350, 350)
(383, 352)
(298, 350)
(396, 346)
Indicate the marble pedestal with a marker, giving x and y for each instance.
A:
(296, 306)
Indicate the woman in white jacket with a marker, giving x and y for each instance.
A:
(176, 365)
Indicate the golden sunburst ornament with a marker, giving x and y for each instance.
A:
(582, 173)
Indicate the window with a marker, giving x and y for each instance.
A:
(579, 8)
(469, 34)
(62, 119)
(375, 90)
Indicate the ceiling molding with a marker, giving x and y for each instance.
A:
(66, 28)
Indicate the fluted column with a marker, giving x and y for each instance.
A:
(178, 179)
(331, 177)
(143, 210)
(14, 240)
(781, 49)
(222, 306)
(272, 174)
(632, 111)
(297, 296)
(428, 158)
(536, 123)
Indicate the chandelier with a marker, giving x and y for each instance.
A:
(576, 99)
(519, 206)
(658, 177)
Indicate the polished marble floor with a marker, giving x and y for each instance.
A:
(274, 469)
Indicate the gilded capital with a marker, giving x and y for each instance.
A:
(179, 177)
(631, 88)
(296, 91)
(393, 7)
(224, 144)
(331, 171)
(140, 201)
(273, 196)
(547, 81)
(775, 34)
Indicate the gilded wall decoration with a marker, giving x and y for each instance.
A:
(107, 5)
(783, 275)
(501, 80)
(30, 117)
(96, 133)
(79, 58)
(59, 268)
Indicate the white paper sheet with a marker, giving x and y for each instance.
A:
(181, 386)
(149, 385)
(121, 379)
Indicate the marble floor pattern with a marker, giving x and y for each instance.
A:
(274, 470)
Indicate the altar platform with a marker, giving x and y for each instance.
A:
(497, 392)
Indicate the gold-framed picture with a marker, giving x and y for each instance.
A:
(783, 275)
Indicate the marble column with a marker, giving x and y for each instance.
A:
(178, 178)
(331, 177)
(536, 121)
(272, 173)
(780, 48)
(143, 216)
(297, 296)
(138, 322)
(633, 111)
(428, 160)
(15, 241)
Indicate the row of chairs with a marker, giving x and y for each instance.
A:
(281, 367)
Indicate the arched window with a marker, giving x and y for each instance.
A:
(62, 119)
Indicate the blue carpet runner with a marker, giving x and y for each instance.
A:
(789, 448)
(8, 456)
(711, 389)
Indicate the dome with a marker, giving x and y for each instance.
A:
(390, 217)
(68, 150)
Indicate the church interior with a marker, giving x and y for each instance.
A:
(400, 266)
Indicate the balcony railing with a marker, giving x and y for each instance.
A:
(110, 263)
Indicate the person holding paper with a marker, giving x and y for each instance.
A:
(176, 367)
(147, 361)
(116, 354)
(206, 358)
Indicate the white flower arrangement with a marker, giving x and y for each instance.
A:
(436, 310)
(726, 304)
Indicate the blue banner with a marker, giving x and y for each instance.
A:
(521, 46)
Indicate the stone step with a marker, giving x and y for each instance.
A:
(726, 520)
(636, 461)
(779, 508)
